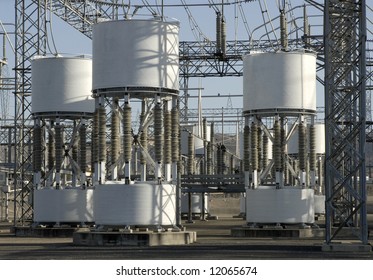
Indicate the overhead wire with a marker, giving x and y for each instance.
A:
(196, 30)
(149, 7)
(243, 16)
(269, 22)
(50, 23)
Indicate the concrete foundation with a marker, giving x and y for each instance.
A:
(346, 247)
(92, 238)
(277, 233)
(28, 231)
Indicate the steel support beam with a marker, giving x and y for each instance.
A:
(345, 113)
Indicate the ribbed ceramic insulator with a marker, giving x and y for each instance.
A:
(158, 133)
(37, 147)
(102, 134)
(127, 133)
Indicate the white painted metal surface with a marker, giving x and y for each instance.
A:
(198, 142)
(196, 203)
(142, 203)
(63, 206)
(279, 81)
(319, 204)
(136, 53)
(288, 205)
(62, 84)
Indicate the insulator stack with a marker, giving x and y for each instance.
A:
(254, 146)
(283, 146)
(94, 146)
(37, 147)
(51, 151)
(302, 147)
(265, 150)
(209, 158)
(127, 133)
(175, 134)
(83, 148)
(246, 148)
(204, 129)
(143, 140)
(218, 32)
(312, 148)
(260, 143)
(190, 154)
(284, 32)
(158, 133)
(223, 36)
(295, 167)
(102, 134)
(59, 146)
(277, 146)
(222, 159)
(167, 137)
(286, 173)
(115, 137)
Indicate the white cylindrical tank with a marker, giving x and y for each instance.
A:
(63, 206)
(266, 204)
(142, 204)
(198, 142)
(283, 81)
(136, 55)
(62, 85)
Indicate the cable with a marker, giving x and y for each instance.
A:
(194, 25)
(51, 31)
(246, 25)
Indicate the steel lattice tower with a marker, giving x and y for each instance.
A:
(345, 105)
(30, 41)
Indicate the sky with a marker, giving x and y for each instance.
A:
(68, 40)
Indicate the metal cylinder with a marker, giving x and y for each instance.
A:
(175, 134)
(302, 147)
(158, 133)
(246, 148)
(51, 151)
(37, 147)
(277, 146)
(312, 147)
(127, 133)
(83, 148)
(59, 146)
(115, 137)
(102, 134)
(190, 154)
(254, 146)
(167, 137)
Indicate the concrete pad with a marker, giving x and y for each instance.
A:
(277, 233)
(346, 247)
(28, 231)
(91, 238)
